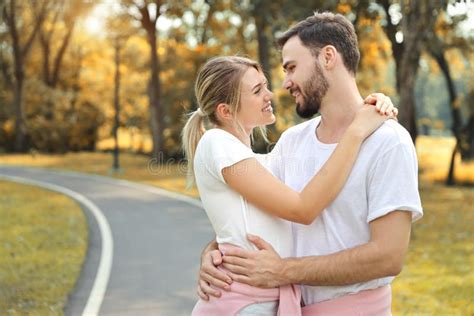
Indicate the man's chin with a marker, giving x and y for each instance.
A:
(304, 112)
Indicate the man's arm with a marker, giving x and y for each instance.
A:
(208, 273)
(382, 256)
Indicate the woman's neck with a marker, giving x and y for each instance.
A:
(244, 137)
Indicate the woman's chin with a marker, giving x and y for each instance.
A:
(267, 121)
(271, 120)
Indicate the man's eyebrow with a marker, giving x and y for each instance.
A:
(285, 65)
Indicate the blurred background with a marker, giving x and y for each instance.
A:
(103, 87)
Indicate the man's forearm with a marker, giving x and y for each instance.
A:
(360, 264)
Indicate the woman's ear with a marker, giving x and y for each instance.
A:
(223, 112)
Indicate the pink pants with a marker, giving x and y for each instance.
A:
(242, 295)
(376, 302)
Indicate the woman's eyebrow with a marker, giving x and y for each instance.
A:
(260, 83)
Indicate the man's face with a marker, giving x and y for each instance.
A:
(304, 77)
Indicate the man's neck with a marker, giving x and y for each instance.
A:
(338, 110)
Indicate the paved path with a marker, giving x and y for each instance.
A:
(157, 241)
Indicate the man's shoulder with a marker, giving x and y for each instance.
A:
(390, 134)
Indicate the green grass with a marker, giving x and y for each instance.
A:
(43, 242)
(438, 276)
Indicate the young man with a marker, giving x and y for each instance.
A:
(346, 259)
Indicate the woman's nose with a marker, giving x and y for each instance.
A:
(269, 95)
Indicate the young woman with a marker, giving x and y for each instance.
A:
(239, 194)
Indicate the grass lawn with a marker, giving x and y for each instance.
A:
(438, 277)
(43, 242)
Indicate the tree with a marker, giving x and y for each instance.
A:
(437, 47)
(408, 24)
(22, 39)
(467, 133)
(148, 13)
(119, 32)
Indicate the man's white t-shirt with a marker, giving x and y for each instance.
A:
(231, 216)
(383, 179)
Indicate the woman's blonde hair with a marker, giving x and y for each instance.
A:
(218, 81)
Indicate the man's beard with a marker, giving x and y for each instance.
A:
(315, 89)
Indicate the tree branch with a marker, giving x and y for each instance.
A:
(60, 54)
(39, 20)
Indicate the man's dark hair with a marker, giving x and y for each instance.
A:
(323, 29)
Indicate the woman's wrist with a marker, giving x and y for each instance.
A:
(355, 133)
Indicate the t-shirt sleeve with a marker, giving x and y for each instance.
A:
(224, 150)
(393, 183)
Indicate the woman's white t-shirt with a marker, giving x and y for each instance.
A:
(231, 216)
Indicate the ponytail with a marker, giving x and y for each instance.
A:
(193, 130)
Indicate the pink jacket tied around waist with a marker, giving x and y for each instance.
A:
(376, 302)
(242, 295)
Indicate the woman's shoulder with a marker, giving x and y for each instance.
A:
(218, 140)
(216, 132)
(217, 135)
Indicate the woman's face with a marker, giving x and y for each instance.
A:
(255, 101)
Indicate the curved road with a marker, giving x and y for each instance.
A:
(157, 240)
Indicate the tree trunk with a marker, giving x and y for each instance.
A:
(116, 165)
(6, 71)
(45, 45)
(19, 54)
(437, 52)
(407, 115)
(20, 126)
(417, 22)
(467, 151)
(413, 36)
(261, 26)
(156, 113)
(263, 51)
(76, 75)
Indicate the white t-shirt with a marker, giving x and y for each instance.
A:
(231, 216)
(383, 179)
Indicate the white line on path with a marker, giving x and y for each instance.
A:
(103, 272)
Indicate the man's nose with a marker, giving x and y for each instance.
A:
(287, 83)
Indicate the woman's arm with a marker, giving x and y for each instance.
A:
(250, 179)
